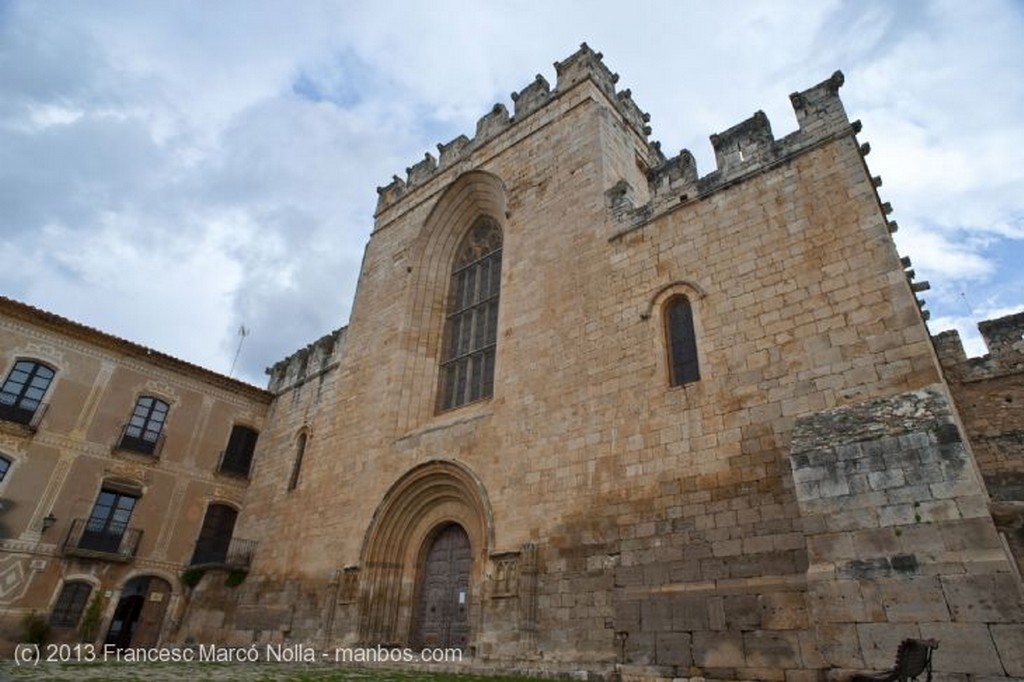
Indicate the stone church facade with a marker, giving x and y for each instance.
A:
(700, 426)
(596, 411)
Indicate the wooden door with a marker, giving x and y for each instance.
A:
(442, 614)
(151, 616)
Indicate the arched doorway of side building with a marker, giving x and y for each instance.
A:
(139, 613)
(442, 604)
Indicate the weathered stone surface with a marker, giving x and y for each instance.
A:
(772, 650)
(673, 648)
(263, 618)
(840, 645)
(989, 391)
(993, 598)
(915, 600)
(879, 642)
(783, 610)
(689, 614)
(964, 648)
(841, 602)
(742, 612)
(1009, 641)
(718, 650)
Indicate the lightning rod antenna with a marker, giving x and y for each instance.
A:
(967, 304)
(242, 333)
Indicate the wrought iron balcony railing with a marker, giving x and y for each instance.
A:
(237, 555)
(143, 443)
(24, 413)
(110, 541)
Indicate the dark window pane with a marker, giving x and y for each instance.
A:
(460, 381)
(237, 457)
(480, 329)
(108, 521)
(682, 342)
(300, 450)
(145, 425)
(466, 374)
(215, 535)
(23, 390)
(476, 363)
(70, 604)
(488, 374)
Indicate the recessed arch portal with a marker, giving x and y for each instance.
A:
(415, 511)
(139, 615)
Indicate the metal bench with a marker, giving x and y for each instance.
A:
(913, 657)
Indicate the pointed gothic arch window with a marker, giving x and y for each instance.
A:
(471, 329)
(682, 342)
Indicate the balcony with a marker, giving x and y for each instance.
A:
(26, 415)
(236, 556)
(109, 542)
(141, 442)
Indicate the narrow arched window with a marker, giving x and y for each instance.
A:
(682, 342)
(300, 450)
(471, 330)
(23, 389)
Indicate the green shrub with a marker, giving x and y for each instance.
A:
(91, 617)
(191, 577)
(235, 578)
(35, 629)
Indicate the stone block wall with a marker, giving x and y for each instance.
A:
(989, 394)
(263, 609)
(900, 540)
(673, 530)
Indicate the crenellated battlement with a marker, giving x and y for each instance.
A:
(307, 363)
(1004, 338)
(746, 148)
(532, 97)
(584, 64)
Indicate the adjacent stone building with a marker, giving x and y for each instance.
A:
(596, 411)
(119, 467)
(989, 393)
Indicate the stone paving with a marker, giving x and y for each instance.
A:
(223, 672)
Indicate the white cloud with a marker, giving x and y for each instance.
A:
(205, 165)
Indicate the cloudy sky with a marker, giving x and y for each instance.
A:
(171, 171)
